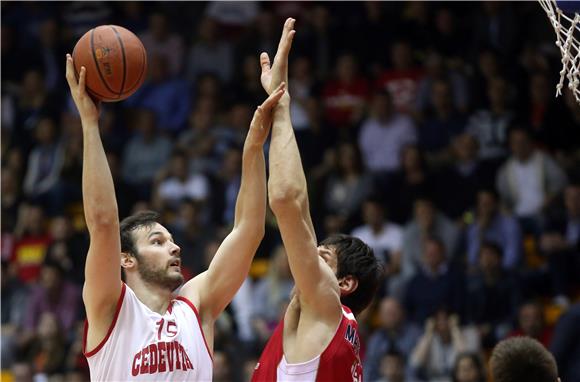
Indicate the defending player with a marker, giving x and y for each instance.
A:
(522, 359)
(317, 339)
(140, 330)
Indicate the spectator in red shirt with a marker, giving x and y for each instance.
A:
(345, 95)
(402, 79)
(531, 323)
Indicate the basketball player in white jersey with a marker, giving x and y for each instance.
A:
(140, 330)
(317, 340)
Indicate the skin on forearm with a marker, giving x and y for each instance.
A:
(251, 202)
(99, 200)
(286, 173)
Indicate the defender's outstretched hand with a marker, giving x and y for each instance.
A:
(88, 110)
(278, 73)
(262, 120)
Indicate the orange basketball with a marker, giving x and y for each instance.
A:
(115, 60)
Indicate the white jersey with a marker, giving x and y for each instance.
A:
(142, 345)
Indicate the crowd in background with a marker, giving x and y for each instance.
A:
(428, 130)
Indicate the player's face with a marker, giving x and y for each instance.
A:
(329, 256)
(159, 260)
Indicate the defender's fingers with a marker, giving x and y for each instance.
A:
(70, 72)
(82, 77)
(265, 62)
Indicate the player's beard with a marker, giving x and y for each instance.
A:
(159, 276)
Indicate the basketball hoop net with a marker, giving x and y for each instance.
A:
(569, 45)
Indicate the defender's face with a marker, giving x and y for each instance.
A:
(329, 257)
(159, 258)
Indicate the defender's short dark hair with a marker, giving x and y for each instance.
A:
(131, 223)
(356, 259)
(522, 359)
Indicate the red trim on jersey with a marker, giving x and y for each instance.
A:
(102, 343)
(184, 299)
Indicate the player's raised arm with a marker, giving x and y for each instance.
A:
(215, 288)
(288, 196)
(102, 271)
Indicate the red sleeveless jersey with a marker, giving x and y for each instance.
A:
(339, 362)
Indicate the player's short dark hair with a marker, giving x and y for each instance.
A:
(131, 223)
(522, 359)
(358, 260)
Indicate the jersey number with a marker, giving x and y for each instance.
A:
(170, 329)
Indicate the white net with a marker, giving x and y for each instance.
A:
(568, 40)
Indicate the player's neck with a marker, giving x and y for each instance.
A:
(157, 298)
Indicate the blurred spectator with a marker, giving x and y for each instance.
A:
(232, 13)
(560, 241)
(124, 192)
(145, 154)
(384, 134)
(392, 367)
(548, 119)
(32, 240)
(492, 295)
(160, 41)
(11, 196)
(384, 237)
(402, 79)
(14, 300)
(496, 27)
(53, 294)
(67, 248)
(529, 180)
(48, 348)
(427, 222)
(565, 344)
(226, 186)
(441, 123)
(49, 53)
(132, 14)
(247, 87)
(403, 187)
(317, 40)
(469, 368)
(272, 294)
(449, 39)
(394, 336)
(176, 183)
(531, 323)
(44, 167)
(167, 97)
(492, 225)
(207, 50)
(301, 84)
(490, 125)
(457, 183)
(346, 94)
(434, 356)
(262, 36)
(487, 67)
(222, 366)
(457, 96)
(199, 140)
(347, 185)
(191, 234)
(82, 16)
(437, 284)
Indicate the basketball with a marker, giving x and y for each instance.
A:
(115, 61)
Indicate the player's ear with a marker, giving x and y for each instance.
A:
(347, 285)
(127, 260)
